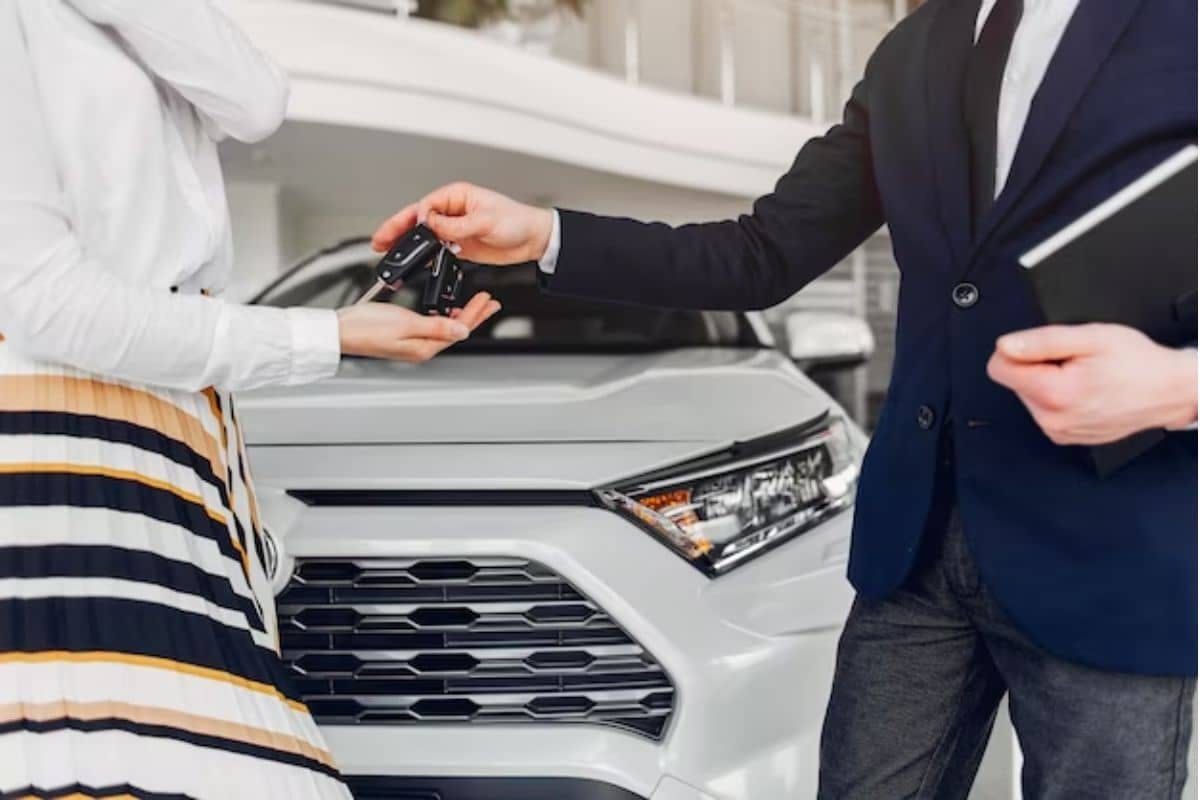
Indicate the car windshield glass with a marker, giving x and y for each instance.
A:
(532, 320)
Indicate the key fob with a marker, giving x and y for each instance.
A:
(411, 252)
(444, 285)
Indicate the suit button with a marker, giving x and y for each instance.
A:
(965, 295)
(926, 417)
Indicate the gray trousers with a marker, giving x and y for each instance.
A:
(919, 677)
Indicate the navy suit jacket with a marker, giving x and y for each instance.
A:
(1102, 572)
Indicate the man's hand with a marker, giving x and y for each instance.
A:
(486, 227)
(1093, 384)
(378, 330)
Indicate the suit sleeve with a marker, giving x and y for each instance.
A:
(824, 207)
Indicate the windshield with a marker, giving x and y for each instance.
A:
(532, 320)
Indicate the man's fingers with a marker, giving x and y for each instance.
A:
(1004, 370)
(1045, 386)
(453, 199)
(1020, 376)
(1050, 343)
(393, 228)
(456, 229)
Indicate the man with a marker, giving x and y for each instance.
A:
(988, 555)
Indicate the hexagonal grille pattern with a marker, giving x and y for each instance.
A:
(420, 641)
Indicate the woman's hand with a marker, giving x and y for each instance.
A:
(379, 330)
(487, 227)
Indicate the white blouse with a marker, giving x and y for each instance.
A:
(113, 216)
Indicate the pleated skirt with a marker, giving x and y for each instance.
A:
(138, 649)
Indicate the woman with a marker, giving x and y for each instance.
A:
(138, 654)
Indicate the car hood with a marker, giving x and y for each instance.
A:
(695, 395)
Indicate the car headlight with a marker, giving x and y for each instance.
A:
(720, 511)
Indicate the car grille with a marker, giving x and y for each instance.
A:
(482, 640)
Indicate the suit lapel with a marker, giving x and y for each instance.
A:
(1086, 43)
(951, 37)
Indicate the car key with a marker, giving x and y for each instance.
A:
(410, 253)
(444, 285)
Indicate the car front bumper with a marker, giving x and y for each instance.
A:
(750, 653)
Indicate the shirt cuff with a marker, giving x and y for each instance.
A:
(549, 260)
(316, 344)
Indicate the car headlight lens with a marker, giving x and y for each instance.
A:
(721, 511)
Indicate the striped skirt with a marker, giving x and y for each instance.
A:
(138, 650)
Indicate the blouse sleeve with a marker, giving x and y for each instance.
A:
(200, 52)
(58, 304)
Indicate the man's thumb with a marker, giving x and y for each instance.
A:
(1049, 343)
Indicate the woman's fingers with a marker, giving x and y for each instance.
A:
(487, 311)
(473, 312)
(433, 327)
(478, 310)
(371, 325)
(379, 330)
(493, 308)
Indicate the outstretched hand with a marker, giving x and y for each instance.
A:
(484, 226)
(379, 330)
(1093, 384)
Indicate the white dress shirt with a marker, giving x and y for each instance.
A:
(111, 194)
(1041, 28)
(1038, 34)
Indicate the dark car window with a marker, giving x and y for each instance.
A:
(534, 321)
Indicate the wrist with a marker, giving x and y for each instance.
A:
(543, 227)
(346, 327)
(1181, 377)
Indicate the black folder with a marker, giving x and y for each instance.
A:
(1132, 261)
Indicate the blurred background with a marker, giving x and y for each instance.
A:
(675, 110)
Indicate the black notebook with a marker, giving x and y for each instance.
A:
(1132, 261)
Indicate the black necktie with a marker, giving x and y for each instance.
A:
(985, 74)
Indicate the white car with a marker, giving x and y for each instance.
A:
(595, 553)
